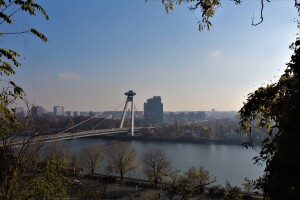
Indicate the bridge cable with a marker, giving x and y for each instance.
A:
(85, 121)
(76, 125)
(108, 115)
(136, 110)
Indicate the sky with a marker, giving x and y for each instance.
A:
(100, 49)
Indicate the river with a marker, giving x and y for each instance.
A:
(225, 162)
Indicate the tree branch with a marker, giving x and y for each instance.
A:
(6, 6)
(11, 15)
(14, 33)
(261, 14)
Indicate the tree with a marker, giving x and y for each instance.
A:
(276, 108)
(248, 186)
(170, 187)
(276, 104)
(190, 184)
(49, 179)
(121, 159)
(176, 125)
(8, 58)
(43, 179)
(208, 9)
(13, 163)
(49, 182)
(92, 157)
(156, 165)
(232, 193)
(216, 192)
(193, 181)
(74, 165)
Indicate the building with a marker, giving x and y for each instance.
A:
(45, 111)
(75, 114)
(20, 112)
(68, 113)
(84, 113)
(153, 112)
(92, 114)
(58, 110)
(37, 111)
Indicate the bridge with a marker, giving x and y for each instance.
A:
(65, 135)
(69, 135)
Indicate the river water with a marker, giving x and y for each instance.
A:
(225, 162)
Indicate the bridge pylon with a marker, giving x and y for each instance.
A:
(129, 95)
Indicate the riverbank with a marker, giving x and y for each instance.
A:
(175, 140)
(134, 188)
(226, 162)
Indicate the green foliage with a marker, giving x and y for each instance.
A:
(13, 183)
(38, 34)
(249, 186)
(207, 8)
(276, 107)
(41, 180)
(171, 186)
(74, 165)
(194, 180)
(8, 61)
(8, 169)
(216, 191)
(190, 184)
(50, 181)
(232, 193)
(46, 181)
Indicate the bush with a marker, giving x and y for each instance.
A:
(216, 191)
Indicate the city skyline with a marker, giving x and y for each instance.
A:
(99, 50)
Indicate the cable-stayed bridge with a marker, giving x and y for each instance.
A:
(70, 134)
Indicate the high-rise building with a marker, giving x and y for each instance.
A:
(75, 113)
(58, 110)
(68, 113)
(153, 112)
(37, 111)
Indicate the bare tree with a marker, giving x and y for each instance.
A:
(75, 165)
(156, 165)
(92, 157)
(193, 181)
(121, 159)
(190, 184)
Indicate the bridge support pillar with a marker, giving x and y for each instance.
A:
(129, 95)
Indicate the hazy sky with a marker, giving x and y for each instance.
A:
(99, 49)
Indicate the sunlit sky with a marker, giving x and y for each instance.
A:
(99, 49)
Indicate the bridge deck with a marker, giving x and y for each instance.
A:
(66, 136)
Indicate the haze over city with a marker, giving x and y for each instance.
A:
(98, 50)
